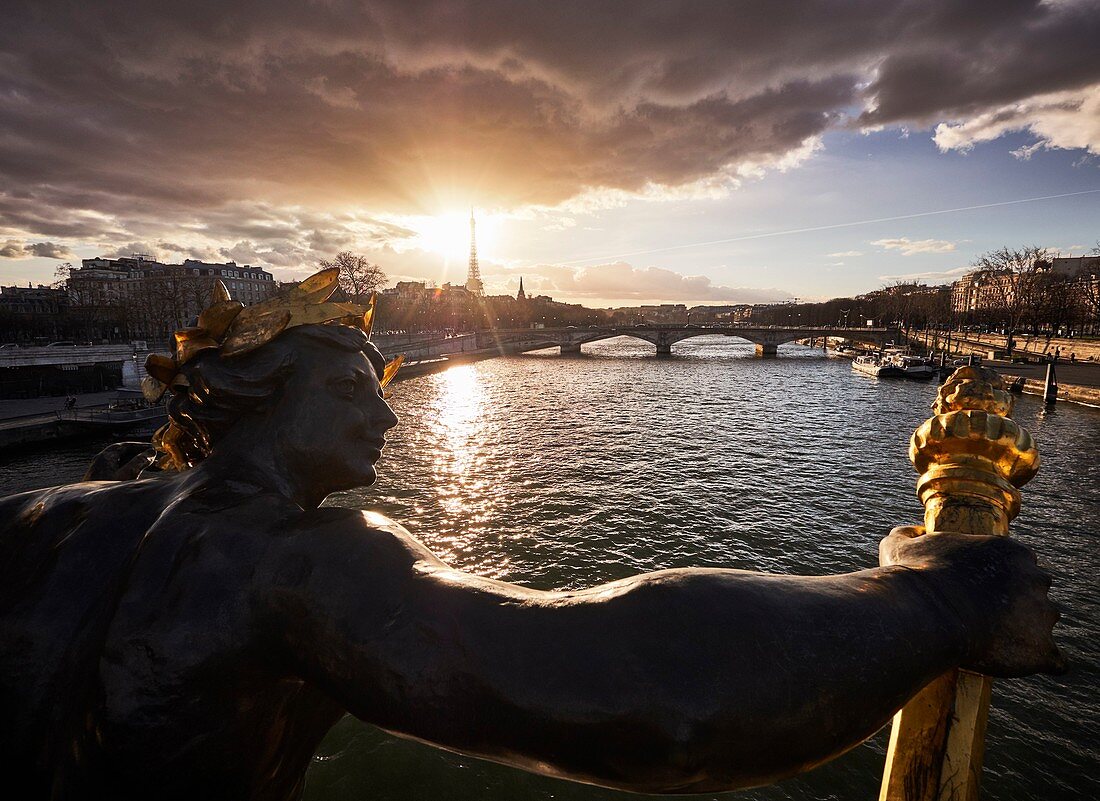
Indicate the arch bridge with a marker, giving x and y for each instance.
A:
(766, 338)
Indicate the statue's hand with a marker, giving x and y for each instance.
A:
(122, 461)
(994, 586)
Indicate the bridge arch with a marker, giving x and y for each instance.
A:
(766, 338)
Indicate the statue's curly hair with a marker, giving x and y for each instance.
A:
(220, 389)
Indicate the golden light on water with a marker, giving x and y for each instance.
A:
(458, 423)
(458, 417)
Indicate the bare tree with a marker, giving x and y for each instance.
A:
(358, 277)
(1014, 281)
(1089, 293)
(903, 300)
(61, 276)
(1056, 303)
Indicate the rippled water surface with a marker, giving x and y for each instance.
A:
(566, 472)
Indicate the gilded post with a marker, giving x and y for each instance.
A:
(972, 459)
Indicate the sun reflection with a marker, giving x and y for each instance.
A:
(462, 448)
(460, 406)
(458, 420)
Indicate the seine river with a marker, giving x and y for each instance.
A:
(561, 473)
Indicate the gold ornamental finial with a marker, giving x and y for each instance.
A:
(972, 460)
(234, 329)
(974, 388)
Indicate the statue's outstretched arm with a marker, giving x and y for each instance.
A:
(675, 681)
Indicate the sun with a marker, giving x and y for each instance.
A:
(448, 234)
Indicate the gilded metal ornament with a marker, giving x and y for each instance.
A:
(233, 329)
(972, 459)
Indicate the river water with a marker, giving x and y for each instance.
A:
(560, 473)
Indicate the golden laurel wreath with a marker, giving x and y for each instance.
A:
(233, 329)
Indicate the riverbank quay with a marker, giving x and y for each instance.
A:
(965, 343)
(1077, 383)
(24, 407)
(1077, 368)
(40, 421)
(32, 422)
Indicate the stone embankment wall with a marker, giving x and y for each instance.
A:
(1085, 350)
(1066, 392)
(13, 435)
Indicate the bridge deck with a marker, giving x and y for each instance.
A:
(766, 338)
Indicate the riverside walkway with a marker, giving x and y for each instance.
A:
(27, 408)
(1077, 382)
(1082, 374)
(29, 421)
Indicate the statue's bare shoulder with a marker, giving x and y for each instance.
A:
(339, 532)
(90, 523)
(333, 555)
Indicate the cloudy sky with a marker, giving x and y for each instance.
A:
(616, 152)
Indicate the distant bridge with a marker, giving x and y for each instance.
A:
(766, 338)
(130, 358)
(516, 340)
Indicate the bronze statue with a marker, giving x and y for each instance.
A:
(194, 633)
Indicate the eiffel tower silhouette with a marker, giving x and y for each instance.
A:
(473, 275)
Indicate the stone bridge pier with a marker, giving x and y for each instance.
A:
(662, 340)
(767, 342)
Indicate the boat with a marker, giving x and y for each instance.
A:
(872, 365)
(914, 367)
(844, 351)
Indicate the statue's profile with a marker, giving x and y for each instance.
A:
(194, 633)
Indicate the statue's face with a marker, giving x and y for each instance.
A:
(334, 419)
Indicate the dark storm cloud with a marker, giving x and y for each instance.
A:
(992, 53)
(242, 121)
(49, 250)
(12, 249)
